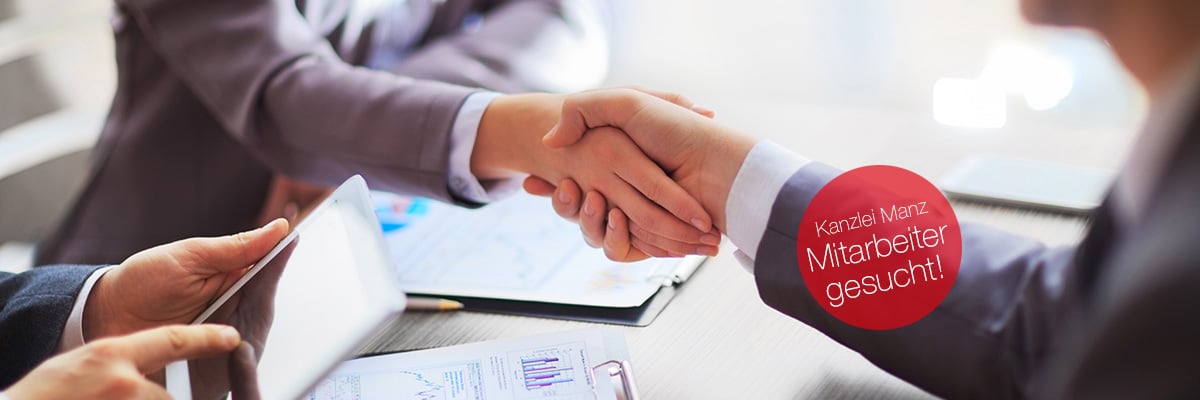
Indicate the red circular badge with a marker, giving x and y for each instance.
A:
(879, 247)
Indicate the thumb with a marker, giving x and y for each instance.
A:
(229, 253)
(592, 109)
(151, 350)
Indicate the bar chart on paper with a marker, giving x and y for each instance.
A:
(516, 369)
(545, 370)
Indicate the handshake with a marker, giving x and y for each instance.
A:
(644, 173)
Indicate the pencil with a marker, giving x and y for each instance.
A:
(432, 304)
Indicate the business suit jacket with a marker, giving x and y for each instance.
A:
(34, 307)
(1112, 318)
(216, 96)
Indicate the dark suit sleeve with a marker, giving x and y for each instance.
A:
(522, 45)
(34, 307)
(279, 88)
(986, 338)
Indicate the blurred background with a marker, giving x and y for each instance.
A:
(914, 83)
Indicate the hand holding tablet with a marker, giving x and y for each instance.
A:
(305, 307)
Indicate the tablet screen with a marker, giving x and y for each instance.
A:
(307, 308)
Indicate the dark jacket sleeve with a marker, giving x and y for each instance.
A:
(34, 307)
(278, 87)
(986, 338)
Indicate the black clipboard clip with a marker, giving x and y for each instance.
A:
(619, 369)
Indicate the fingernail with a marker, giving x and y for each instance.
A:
(699, 109)
(711, 240)
(703, 227)
(231, 336)
(587, 209)
(708, 251)
(611, 224)
(562, 196)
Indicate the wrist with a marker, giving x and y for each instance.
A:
(722, 158)
(509, 140)
(99, 319)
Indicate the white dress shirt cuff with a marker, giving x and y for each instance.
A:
(766, 169)
(72, 335)
(462, 183)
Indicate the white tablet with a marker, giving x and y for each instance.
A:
(307, 306)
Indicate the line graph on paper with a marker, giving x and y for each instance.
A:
(527, 242)
(456, 381)
(516, 249)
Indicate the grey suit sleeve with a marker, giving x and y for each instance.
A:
(522, 45)
(34, 307)
(986, 338)
(279, 87)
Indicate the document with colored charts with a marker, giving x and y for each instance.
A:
(557, 365)
(513, 249)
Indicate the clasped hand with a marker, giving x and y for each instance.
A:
(700, 156)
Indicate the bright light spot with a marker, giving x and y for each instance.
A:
(1010, 66)
(969, 103)
(1043, 79)
(1045, 90)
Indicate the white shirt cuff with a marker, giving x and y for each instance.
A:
(462, 183)
(72, 335)
(766, 169)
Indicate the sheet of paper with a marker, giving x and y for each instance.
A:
(514, 249)
(533, 367)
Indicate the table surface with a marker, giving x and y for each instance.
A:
(717, 339)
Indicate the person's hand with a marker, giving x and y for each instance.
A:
(252, 311)
(116, 368)
(173, 283)
(290, 199)
(672, 222)
(701, 155)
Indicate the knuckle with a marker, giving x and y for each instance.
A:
(654, 191)
(629, 97)
(571, 102)
(241, 242)
(176, 337)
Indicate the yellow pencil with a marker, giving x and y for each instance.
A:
(432, 304)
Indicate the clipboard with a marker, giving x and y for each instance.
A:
(641, 315)
(621, 370)
(517, 257)
(561, 364)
